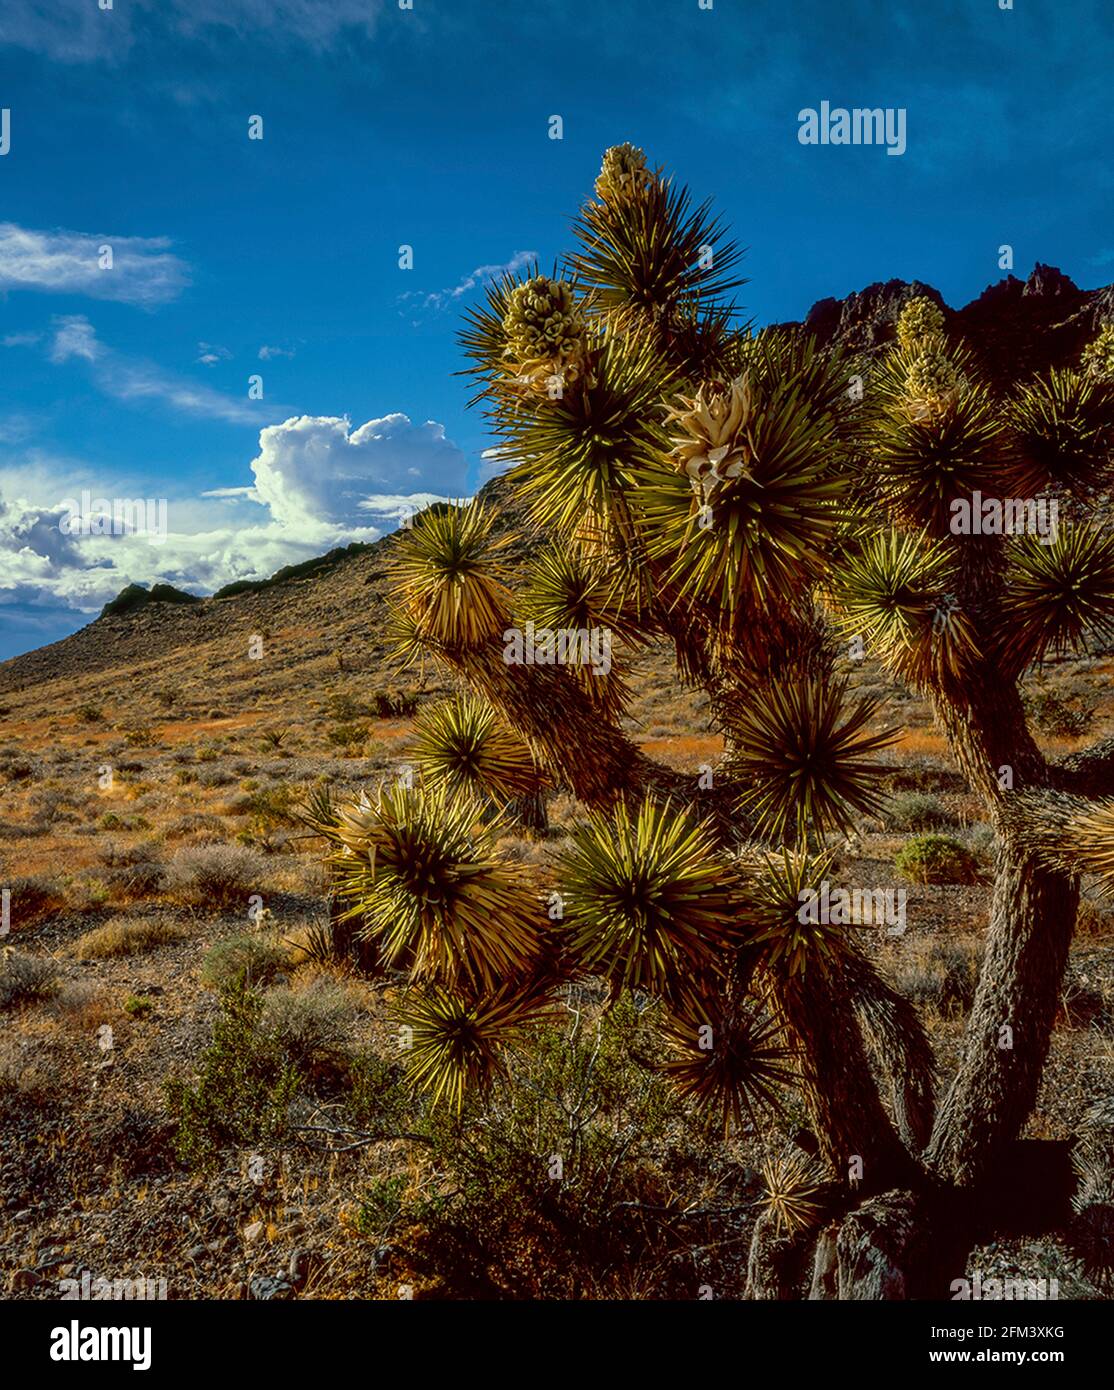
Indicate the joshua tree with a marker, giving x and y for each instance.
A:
(770, 511)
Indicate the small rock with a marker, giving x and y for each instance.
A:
(253, 1232)
(265, 1288)
(299, 1267)
(198, 1252)
(24, 1279)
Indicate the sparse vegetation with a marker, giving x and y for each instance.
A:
(936, 859)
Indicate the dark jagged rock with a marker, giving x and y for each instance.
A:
(1015, 327)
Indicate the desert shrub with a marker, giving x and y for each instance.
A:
(215, 777)
(243, 1090)
(1093, 919)
(940, 978)
(629, 1164)
(246, 961)
(26, 979)
(270, 806)
(125, 936)
(347, 736)
(936, 859)
(1053, 715)
(918, 811)
(983, 843)
(139, 736)
(1083, 1003)
(314, 1019)
(90, 714)
(137, 881)
(220, 876)
(342, 706)
(393, 704)
(32, 899)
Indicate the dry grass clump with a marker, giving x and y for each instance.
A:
(126, 936)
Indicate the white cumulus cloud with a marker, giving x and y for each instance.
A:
(319, 468)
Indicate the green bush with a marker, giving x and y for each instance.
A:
(243, 1091)
(936, 859)
(347, 736)
(580, 1176)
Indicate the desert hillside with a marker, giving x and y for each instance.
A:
(151, 772)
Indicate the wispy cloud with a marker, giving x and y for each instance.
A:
(267, 352)
(209, 354)
(129, 379)
(142, 269)
(79, 31)
(482, 275)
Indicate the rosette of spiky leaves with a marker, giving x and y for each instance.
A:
(424, 879)
(1057, 595)
(935, 435)
(1064, 426)
(823, 379)
(650, 903)
(461, 742)
(568, 590)
(893, 591)
(752, 541)
(795, 1186)
(445, 572)
(727, 1058)
(574, 456)
(458, 1042)
(803, 753)
(649, 253)
(783, 916)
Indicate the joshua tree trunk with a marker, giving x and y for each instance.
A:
(1009, 1030)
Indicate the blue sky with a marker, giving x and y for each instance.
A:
(428, 126)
